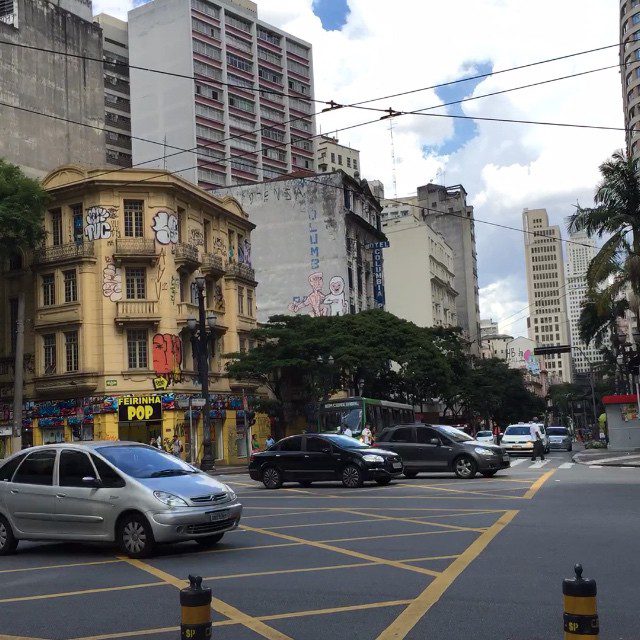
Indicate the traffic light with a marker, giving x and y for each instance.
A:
(548, 351)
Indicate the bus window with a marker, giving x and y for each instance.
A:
(370, 409)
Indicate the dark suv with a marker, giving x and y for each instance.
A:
(442, 448)
(311, 457)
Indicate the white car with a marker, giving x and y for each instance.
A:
(517, 438)
(484, 436)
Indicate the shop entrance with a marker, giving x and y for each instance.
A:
(139, 431)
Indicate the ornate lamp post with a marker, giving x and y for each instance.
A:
(203, 339)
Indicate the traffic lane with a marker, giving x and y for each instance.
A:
(36, 554)
(514, 589)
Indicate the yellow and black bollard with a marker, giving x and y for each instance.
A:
(195, 603)
(580, 610)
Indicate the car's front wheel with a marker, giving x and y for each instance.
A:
(352, 476)
(135, 537)
(272, 478)
(465, 467)
(8, 542)
(210, 541)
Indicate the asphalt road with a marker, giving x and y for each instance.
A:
(432, 557)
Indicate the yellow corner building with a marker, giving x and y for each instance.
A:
(107, 301)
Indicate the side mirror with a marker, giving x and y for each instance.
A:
(89, 481)
(327, 450)
(435, 441)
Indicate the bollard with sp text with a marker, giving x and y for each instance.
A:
(580, 609)
(195, 604)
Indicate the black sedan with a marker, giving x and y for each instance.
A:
(311, 457)
(442, 448)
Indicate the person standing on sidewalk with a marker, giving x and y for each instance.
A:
(538, 445)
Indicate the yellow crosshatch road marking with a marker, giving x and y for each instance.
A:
(57, 566)
(451, 527)
(397, 535)
(320, 524)
(221, 607)
(408, 619)
(464, 492)
(537, 485)
(286, 513)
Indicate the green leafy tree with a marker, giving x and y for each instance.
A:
(22, 206)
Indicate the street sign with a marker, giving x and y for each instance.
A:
(198, 403)
(548, 351)
(377, 245)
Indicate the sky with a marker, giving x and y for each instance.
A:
(370, 49)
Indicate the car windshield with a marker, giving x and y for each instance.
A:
(517, 431)
(139, 461)
(557, 431)
(455, 434)
(484, 434)
(345, 441)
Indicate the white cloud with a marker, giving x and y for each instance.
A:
(508, 166)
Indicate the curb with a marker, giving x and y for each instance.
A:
(581, 458)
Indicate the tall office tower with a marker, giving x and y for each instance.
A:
(548, 320)
(248, 115)
(446, 211)
(65, 87)
(580, 251)
(630, 72)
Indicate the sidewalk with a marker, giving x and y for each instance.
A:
(603, 457)
(226, 470)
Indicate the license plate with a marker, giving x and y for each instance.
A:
(216, 516)
(505, 458)
(397, 465)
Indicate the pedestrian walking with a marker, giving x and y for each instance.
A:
(159, 442)
(367, 435)
(538, 446)
(270, 441)
(176, 446)
(152, 442)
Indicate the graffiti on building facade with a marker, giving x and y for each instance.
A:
(196, 237)
(319, 303)
(244, 252)
(167, 357)
(97, 225)
(219, 247)
(173, 288)
(112, 281)
(335, 301)
(162, 266)
(165, 226)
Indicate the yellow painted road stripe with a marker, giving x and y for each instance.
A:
(535, 487)
(221, 607)
(129, 634)
(58, 566)
(285, 571)
(440, 525)
(394, 535)
(408, 619)
(287, 513)
(348, 552)
(465, 492)
(322, 524)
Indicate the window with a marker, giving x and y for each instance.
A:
(355, 163)
(239, 63)
(133, 218)
(208, 133)
(241, 103)
(238, 23)
(73, 466)
(71, 350)
(109, 478)
(241, 300)
(349, 162)
(268, 36)
(137, 348)
(49, 344)
(136, 283)
(70, 286)
(8, 469)
(249, 302)
(204, 27)
(56, 227)
(37, 469)
(404, 434)
(317, 445)
(48, 289)
(207, 70)
(291, 444)
(424, 435)
(206, 49)
(207, 92)
(271, 76)
(206, 8)
(339, 159)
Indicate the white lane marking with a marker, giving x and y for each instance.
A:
(596, 466)
(566, 465)
(632, 458)
(516, 462)
(539, 464)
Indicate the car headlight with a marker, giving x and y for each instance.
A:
(484, 452)
(529, 445)
(231, 493)
(370, 457)
(169, 499)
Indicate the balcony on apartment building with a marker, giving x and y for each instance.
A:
(66, 385)
(137, 312)
(212, 265)
(135, 249)
(241, 272)
(186, 256)
(64, 253)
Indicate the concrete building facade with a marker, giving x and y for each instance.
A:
(333, 156)
(630, 73)
(419, 272)
(108, 298)
(65, 87)
(580, 251)
(312, 244)
(235, 118)
(117, 102)
(445, 209)
(548, 318)
(488, 328)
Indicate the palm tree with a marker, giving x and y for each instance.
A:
(599, 315)
(616, 214)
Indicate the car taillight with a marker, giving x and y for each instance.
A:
(252, 457)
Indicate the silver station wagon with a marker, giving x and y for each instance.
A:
(122, 492)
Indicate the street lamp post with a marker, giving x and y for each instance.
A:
(202, 332)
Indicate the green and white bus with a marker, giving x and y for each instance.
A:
(355, 412)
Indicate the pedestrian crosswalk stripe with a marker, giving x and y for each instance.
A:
(515, 463)
(595, 466)
(566, 465)
(539, 464)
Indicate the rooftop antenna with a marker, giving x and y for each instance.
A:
(164, 152)
(393, 159)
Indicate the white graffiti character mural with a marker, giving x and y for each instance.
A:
(97, 223)
(335, 301)
(165, 226)
(321, 304)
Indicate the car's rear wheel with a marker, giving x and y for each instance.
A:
(272, 478)
(465, 467)
(489, 474)
(8, 542)
(209, 541)
(305, 483)
(410, 474)
(135, 537)
(570, 448)
(352, 476)
(383, 481)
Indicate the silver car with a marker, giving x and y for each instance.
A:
(560, 438)
(122, 492)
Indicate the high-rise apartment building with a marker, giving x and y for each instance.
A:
(630, 72)
(445, 210)
(248, 115)
(548, 319)
(580, 251)
(117, 104)
(488, 328)
(66, 87)
(331, 156)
